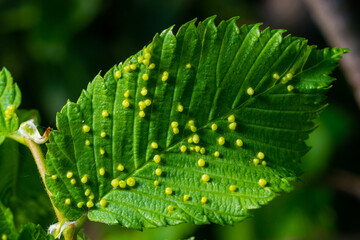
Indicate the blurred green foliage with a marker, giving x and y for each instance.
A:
(54, 48)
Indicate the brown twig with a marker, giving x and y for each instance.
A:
(333, 23)
(346, 182)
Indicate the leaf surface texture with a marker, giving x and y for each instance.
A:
(197, 127)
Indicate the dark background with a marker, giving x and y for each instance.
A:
(54, 48)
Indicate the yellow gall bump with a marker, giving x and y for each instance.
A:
(127, 93)
(146, 62)
(102, 151)
(80, 204)
(157, 158)
(87, 143)
(126, 103)
(4, 237)
(216, 154)
(130, 181)
(232, 126)
(239, 143)
(146, 50)
(144, 91)
(186, 197)
(231, 118)
(86, 128)
(102, 171)
(54, 177)
(232, 188)
(120, 167)
(145, 77)
(263, 163)
(284, 80)
(193, 128)
(140, 59)
(188, 66)
(191, 122)
(196, 138)
(142, 105)
(289, 76)
(180, 108)
(250, 91)
(205, 178)
(276, 76)
(127, 68)
(214, 126)
(256, 161)
(168, 191)
(105, 113)
(11, 108)
(84, 179)
(154, 145)
(156, 183)
(132, 66)
(152, 66)
(147, 102)
(103, 134)
(122, 184)
(221, 140)
(87, 192)
(103, 202)
(170, 208)
(290, 88)
(91, 197)
(73, 181)
(190, 140)
(9, 112)
(165, 76)
(69, 174)
(68, 201)
(141, 114)
(204, 200)
(158, 172)
(197, 148)
(201, 162)
(117, 74)
(262, 182)
(260, 155)
(183, 148)
(202, 150)
(90, 204)
(147, 55)
(115, 183)
(174, 124)
(175, 130)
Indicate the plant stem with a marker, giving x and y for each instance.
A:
(40, 163)
(70, 233)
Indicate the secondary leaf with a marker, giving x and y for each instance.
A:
(28, 232)
(10, 99)
(197, 127)
(7, 228)
(21, 188)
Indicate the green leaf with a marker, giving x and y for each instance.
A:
(28, 232)
(263, 91)
(7, 228)
(10, 99)
(21, 188)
